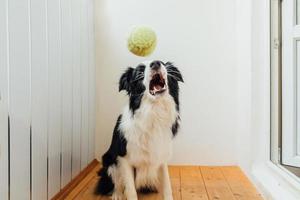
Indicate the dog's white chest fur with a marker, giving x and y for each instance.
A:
(149, 134)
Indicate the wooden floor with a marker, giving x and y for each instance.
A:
(188, 183)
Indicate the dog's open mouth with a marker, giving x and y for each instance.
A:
(157, 84)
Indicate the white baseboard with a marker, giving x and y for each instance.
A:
(275, 182)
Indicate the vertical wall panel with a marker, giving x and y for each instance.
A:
(55, 97)
(39, 98)
(84, 84)
(92, 82)
(3, 102)
(76, 140)
(47, 87)
(19, 106)
(67, 93)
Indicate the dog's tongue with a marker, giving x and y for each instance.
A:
(157, 87)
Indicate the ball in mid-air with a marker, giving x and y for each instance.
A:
(142, 41)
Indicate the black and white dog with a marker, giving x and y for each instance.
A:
(142, 140)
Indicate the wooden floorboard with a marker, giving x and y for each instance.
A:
(174, 172)
(215, 183)
(188, 183)
(240, 185)
(192, 185)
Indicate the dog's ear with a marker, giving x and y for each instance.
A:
(174, 72)
(124, 83)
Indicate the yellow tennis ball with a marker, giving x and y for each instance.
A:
(142, 41)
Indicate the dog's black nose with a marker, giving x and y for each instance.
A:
(155, 65)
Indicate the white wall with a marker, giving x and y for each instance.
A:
(199, 36)
(244, 67)
(47, 87)
(253, 64)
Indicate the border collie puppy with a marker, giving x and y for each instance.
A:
(142, 139)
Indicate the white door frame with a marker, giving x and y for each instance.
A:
(290, 72)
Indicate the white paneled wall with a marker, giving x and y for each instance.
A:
(3, 102)
(76, 88)
(47, 91)
(39, 97)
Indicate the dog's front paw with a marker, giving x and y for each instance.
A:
(132, 197)
(117, 196)
(168, 197)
